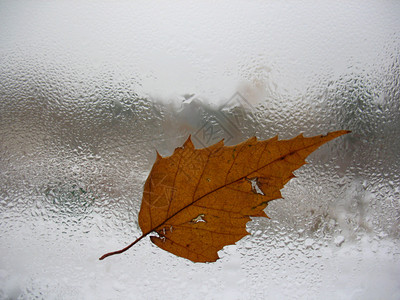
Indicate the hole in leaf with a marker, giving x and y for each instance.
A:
(255, 186)
(198, 219)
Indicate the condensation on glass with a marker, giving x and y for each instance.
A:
(89, 92)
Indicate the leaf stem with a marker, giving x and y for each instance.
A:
(124, 249)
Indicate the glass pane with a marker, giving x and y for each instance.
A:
(90, 90)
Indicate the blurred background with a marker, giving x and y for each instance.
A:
(90, 90)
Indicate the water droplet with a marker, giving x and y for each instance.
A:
(308, 242)
(339, 240)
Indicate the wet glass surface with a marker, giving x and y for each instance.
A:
(89, 91)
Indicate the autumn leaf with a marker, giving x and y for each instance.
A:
(197, 201)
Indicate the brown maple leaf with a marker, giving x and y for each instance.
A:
(199, 200)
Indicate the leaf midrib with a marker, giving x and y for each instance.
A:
(221, 187)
